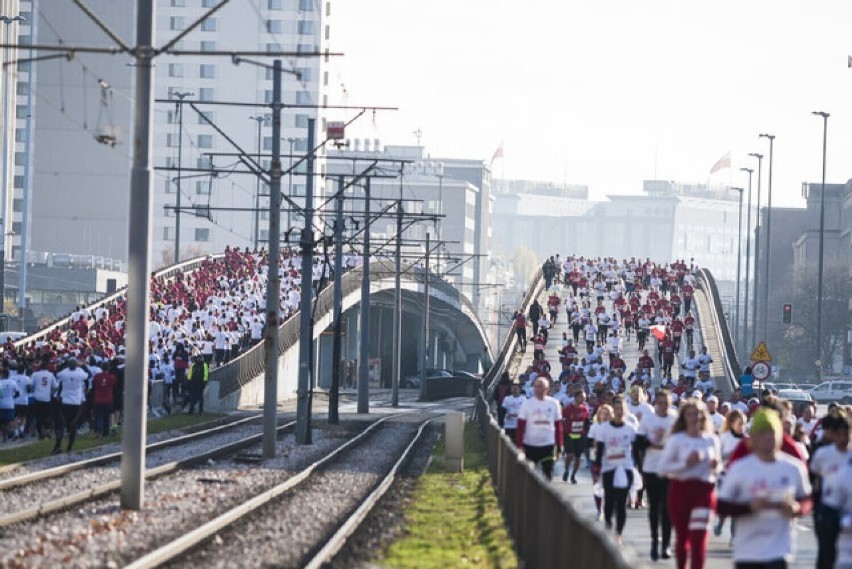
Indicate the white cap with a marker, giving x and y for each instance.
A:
(712, 399)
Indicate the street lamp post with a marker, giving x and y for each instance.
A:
(748, 255)
(819, 361)
(260, 120)
(768, 253)
(179, 105)
(739, 255)
(756, 252)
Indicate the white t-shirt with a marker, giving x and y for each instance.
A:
(739, 406)
(23, 383)
(718, 420)
(827, 462)
(639, 410)
(705, 386)
(704, 360)
(541, 417)
(766, 535)
(8, 387)
(729, 443)
(618, 443)
(512, 405)
(680, 445)
(844, 495)
(44, 384)
(72, 382)
(655, 429)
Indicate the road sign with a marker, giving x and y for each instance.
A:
(761, 353)
(761, 370)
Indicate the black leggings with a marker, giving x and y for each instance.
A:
(658, 491)
(616, 499)
(776, 564)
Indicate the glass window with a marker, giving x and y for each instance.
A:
(202, 187)
(205, 141)
(208, 25)
(306, 5)
(267, 96)
(306, 27)
(175, 70)
(168, 233)
(305, 48)
(169, 187)
(206, 94)
(302, 121)
(208, 114)
(177, 23)
(267, 143)
(203, 162)
(207, 71)
(20, 135)
(202, 211)
(19, 182)
(20, 111)
(202, 234)
(178, 3)
(303, 98)
(304, 73)
(16, 227)
(172, 140)
(19, 158)
(274, 26)
(17, 204)
(22, 88)
(208, 46)
(208, 3)
(274, 4)
(273, 47)
(301, 144)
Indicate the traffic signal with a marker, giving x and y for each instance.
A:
(788, 314)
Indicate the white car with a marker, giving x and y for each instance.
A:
(828, 391)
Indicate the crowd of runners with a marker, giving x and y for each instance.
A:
(660, 435)
(73, 376)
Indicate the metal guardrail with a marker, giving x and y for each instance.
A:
(707, 283)
(65, 323)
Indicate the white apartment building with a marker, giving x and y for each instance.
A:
(81, 185)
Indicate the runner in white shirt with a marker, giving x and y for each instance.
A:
(22, 402)
(72, 381)
(653, 431)
(765, 491)
(540, 428)
(715, 417)
(691, 458)
(614, 461)
(45, 385)
(825, 465)
(512, 404)
(8, 392)
(844, 501)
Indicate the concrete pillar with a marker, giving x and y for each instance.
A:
(454, 435)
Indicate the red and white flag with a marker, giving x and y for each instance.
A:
(658, 331)
(722, 163)
(497, 153)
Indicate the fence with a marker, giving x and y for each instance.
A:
(707, 283)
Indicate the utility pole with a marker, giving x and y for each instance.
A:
(364, 347)
(397, 304)
(273, 282)
(750, 171)
(179, 105)
(756, 253)
(260, 119)
(139, 269)
(768, 253)
(334, 394)
(819, 363)
(306, 327)
(425, 320)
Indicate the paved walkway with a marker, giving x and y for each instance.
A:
(636, 533)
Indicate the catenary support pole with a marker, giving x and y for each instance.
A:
(397, 303)
(768, 253)
(273, 282)
(306, 328)
(139, 265)
(426, 277)
(364, 347)
(819, 343)
(28, 177)
(757, 258)
(334, 394)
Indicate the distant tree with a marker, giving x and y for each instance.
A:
(525, 263)
(167, 255)
(798, 350)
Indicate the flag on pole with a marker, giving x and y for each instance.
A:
(849, 61)
(658, 331)
(497, 153)
(722, 163)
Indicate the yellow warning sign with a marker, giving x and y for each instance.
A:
(761, 353)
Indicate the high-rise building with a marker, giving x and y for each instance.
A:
(83, 124)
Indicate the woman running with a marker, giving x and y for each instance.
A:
(691, 458)
(614, 460)
(602, 415)
(732, 432)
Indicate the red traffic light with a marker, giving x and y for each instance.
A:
(788, 313)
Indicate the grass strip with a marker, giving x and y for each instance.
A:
(40, 449)
(454, 519)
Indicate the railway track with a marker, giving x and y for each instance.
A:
(337, 503)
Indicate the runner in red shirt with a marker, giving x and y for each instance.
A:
(576, 418)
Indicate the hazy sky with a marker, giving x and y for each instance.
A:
(606, 92)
